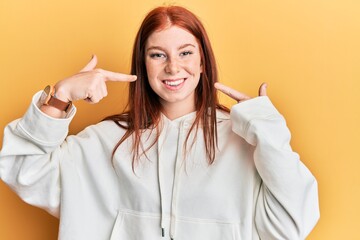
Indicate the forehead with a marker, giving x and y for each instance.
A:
(171, 37)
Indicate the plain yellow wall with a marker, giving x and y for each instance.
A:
(307, 50)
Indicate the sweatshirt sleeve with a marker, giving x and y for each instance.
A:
(29, 163)
(287, 202)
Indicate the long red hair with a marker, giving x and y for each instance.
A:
(144, 107)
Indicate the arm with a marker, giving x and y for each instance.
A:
(29, 159)
(34, 146)
(287, 202)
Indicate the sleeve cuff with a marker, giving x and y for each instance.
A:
(42, 128)
(254, 109)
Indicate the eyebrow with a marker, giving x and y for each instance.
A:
(179, 48)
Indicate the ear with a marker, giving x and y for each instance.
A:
(201, 67)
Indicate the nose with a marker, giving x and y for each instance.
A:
(172, 67)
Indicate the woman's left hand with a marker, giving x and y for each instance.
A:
(238, 96)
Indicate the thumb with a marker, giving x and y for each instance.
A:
(262, 89)
(91, 64)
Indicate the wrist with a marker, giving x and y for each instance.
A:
(49, 98)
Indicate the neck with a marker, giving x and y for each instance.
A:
(175, 110)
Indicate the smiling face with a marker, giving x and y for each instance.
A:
(173, 66)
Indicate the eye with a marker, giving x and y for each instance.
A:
(185, 53)
(157, 55)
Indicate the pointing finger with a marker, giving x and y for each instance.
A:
(91, 64)
(238, 96)
(262, 89)
(117, 77)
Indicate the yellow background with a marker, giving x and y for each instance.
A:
(307, 50)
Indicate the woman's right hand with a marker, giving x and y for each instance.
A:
(89, 84)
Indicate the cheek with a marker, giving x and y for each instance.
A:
(195, 68)
(201, 65)
(152, 73)
(153, 68)
(148, 69)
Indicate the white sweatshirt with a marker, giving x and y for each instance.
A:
(257, 188)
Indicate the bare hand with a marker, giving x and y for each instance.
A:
(238, 96)
(89, 84)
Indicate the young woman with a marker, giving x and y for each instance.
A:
(176, 165)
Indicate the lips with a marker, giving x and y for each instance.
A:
(174, 84)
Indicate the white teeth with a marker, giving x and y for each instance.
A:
(174, 83)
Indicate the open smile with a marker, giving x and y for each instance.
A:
(174, 84)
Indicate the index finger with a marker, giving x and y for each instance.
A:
(117, 77)
(238, 96)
